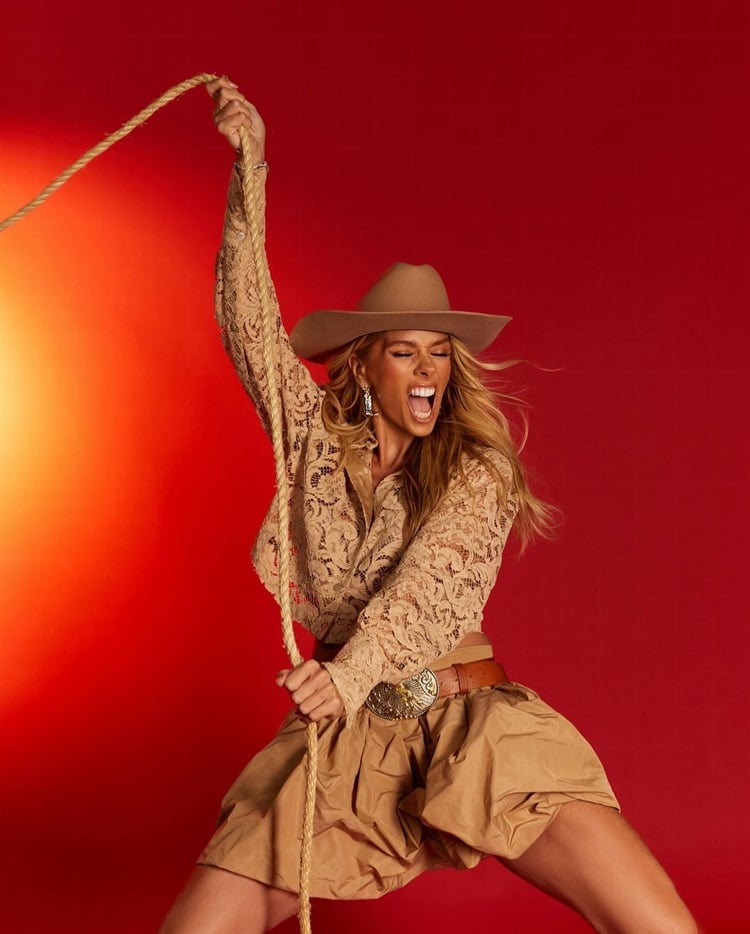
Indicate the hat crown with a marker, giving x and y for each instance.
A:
(404, 287)
(405, 298)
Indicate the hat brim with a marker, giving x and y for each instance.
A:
(318, 334)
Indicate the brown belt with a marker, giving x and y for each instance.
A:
(414, 697)
(466, 676)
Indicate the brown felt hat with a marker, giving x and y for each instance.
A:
(406, 298)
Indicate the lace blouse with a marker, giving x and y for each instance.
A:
(393, 606)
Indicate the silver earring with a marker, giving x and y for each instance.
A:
(367, 398)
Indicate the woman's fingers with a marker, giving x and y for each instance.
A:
(312, 691)
(233, 105)
(306, 681)
(282, 676)
(315, 694)
(228, 100)
(331, 707)
(296, 677)
(213, 87)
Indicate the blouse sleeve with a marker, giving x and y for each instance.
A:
(437, 592)
(238, 316)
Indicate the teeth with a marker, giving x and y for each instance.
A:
(425, 391)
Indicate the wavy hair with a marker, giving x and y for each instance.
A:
(471, 422)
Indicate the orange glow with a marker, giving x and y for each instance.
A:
(81, 311)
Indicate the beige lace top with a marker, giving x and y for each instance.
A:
(394, 607)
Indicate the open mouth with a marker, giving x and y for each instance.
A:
(421, 400)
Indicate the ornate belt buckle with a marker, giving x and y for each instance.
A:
(410, 698)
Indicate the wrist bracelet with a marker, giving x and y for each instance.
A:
(258, 165)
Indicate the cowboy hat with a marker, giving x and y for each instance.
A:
(406, 297)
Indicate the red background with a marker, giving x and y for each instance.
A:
(581, 166)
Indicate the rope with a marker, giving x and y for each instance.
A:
(274, 394)
(104, 145)
(274, 391)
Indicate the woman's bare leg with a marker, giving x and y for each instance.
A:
(218, 902)
(591, 859)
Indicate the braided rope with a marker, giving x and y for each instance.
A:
(274, 390)
(104, 145)
(249, 187)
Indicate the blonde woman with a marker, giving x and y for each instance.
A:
(404, 484)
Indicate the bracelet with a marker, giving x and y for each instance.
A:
(258, 165)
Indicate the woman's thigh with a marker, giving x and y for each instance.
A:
(591, 859)
(219, 902)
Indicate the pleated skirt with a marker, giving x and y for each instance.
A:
(478, 775)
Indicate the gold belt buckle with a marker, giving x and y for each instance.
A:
(410, 698)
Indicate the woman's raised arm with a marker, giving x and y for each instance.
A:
(237, 292)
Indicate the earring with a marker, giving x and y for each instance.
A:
(367, 398)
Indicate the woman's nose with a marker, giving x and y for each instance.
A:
(425, 365)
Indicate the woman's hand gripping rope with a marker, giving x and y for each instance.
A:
(232, 111)
(313, 692)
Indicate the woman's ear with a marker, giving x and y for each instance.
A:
(358, 370)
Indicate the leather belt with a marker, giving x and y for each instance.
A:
(415, 696)
(464, 677)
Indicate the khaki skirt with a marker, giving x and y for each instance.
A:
(481, 774)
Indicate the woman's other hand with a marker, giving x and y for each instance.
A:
(232, 111)
(312, 691)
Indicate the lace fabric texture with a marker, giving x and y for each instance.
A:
(393, 606)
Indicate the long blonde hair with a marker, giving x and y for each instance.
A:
(470, 423)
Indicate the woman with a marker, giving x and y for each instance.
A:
(404, 485)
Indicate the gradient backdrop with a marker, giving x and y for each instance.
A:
(582, 166)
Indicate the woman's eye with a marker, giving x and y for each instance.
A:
(409, 353)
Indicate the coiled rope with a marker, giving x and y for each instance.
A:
(249, 185)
